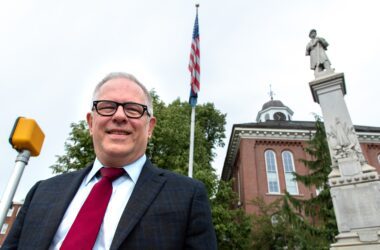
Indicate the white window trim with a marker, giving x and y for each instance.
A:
(293, 169)
(266, 171)
(4, 228)
(10, 211)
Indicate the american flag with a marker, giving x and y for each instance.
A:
(194, 65)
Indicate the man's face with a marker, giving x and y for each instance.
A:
(313, 34)
(119, 140)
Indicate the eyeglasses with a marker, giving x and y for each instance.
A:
(131, 109)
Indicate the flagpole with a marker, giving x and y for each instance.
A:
(195, 73)
(191, 154)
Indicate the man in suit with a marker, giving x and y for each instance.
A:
(150, 208)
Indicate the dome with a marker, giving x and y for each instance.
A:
(274, 110)
(273, 103)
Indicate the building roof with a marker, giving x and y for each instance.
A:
(272, 103)
(307, 125)
(282, 130)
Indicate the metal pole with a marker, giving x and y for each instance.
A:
(191, 154)
(6, 201)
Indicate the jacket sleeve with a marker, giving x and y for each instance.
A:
(12, 240)
(200, 231)
(324, 43)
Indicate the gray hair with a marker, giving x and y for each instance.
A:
(116, 75)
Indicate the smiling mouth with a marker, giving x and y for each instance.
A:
(117, 132)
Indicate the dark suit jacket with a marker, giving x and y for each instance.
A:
(165, 211)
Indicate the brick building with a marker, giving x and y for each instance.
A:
(11, 216)
(262, 156)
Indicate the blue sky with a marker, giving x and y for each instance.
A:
(52, 54)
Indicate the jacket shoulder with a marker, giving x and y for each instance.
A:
(178, 179)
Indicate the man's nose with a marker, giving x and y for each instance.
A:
(120, 114)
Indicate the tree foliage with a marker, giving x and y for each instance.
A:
(169, 146)
(270, 226)
(320, 207)
(278, 226)
(320, 226)
(79, 150)
(232, 224)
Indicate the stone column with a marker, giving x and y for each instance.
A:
(355, 186)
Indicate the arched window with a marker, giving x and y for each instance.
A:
(272, 176)
(288, 163)
(378, 158)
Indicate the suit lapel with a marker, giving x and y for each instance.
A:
(61, 200)
(147, 187)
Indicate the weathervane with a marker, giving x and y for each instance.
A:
(271, 93)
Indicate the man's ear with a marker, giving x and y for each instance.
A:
(152, 123)
(89, 121)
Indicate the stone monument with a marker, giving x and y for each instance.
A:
(354, 185)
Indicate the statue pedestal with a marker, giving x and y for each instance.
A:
(357, 207)
(355, 186)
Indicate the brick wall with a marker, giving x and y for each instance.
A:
(11, 216)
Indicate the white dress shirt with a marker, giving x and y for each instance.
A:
(121, 192)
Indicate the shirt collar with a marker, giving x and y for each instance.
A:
(133, 170)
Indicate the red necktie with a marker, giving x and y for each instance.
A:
(85, 229)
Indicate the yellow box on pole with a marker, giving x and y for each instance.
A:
(26, 134)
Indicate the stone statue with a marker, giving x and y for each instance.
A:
(316, 50)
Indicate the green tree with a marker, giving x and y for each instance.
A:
(79, 151)
(232, 225)
(319, 226)
(263, 230)
(272, 227)
(169, 145)
(278, 226)
(301, 234)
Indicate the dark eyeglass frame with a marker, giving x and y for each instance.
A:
(123, 104)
